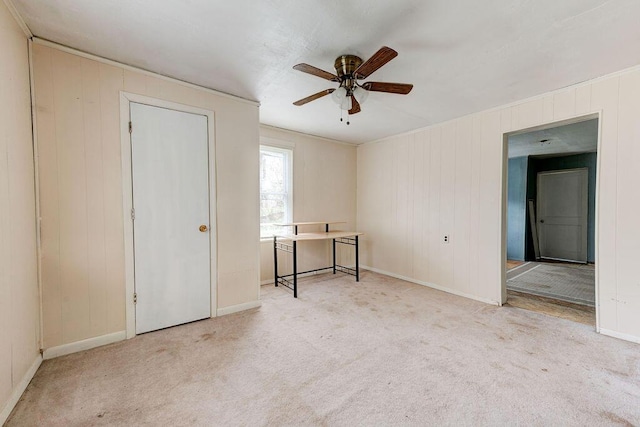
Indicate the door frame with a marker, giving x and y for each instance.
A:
(584, 208)
(503, 238)
(127, 198)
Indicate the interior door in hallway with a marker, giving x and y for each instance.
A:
(170, 171)
(562, 214)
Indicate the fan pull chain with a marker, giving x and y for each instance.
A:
(341, 112)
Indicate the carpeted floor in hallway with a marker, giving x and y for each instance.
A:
(379, 352)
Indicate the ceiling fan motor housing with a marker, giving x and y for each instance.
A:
(345, 66)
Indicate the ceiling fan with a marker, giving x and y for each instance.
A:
(349, 69)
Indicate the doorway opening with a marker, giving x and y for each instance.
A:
(551, 217)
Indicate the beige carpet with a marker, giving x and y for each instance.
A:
(378, 352)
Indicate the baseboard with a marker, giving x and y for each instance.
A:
(19, 389)
(619, 335)
(431, 285)
(240, 307)
(87, 344)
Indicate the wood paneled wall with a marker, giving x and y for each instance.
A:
(447, 179)
(324, 188)
(78, 124)
(19, 297)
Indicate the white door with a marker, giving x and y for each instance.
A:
(562, 214)
(170, 171)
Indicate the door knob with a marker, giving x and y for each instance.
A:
(542, 221)
(203, 228)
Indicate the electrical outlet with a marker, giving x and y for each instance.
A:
(446, 238)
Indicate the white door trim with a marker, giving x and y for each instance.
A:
(127, 198)
(502, 286)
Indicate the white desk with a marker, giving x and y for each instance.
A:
(289, 243)
(295, 225)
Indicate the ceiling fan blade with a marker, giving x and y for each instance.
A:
(313, 97)
(310, 69)
(355, 105)
(381, 57)
(399, 88)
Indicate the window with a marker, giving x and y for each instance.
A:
(276, 195)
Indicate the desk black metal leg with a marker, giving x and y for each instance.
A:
(275, 261)
(357, 262)
(334, 256)
(295, 270)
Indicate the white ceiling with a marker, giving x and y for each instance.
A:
(462, 56)
(562, 140)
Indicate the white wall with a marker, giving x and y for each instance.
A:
(448, 179)
(78, 126)
(19, 305)
(324, 188)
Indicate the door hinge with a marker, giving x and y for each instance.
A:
(133, 214)
(135, 298)
(130, 127)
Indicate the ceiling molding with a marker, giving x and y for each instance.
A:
(18, 18)
(307, 135)
(53, 45)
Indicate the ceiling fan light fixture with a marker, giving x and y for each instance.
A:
(346, 103)
(360, 94)
(339, 95)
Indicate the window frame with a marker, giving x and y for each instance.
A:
(288, 152)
